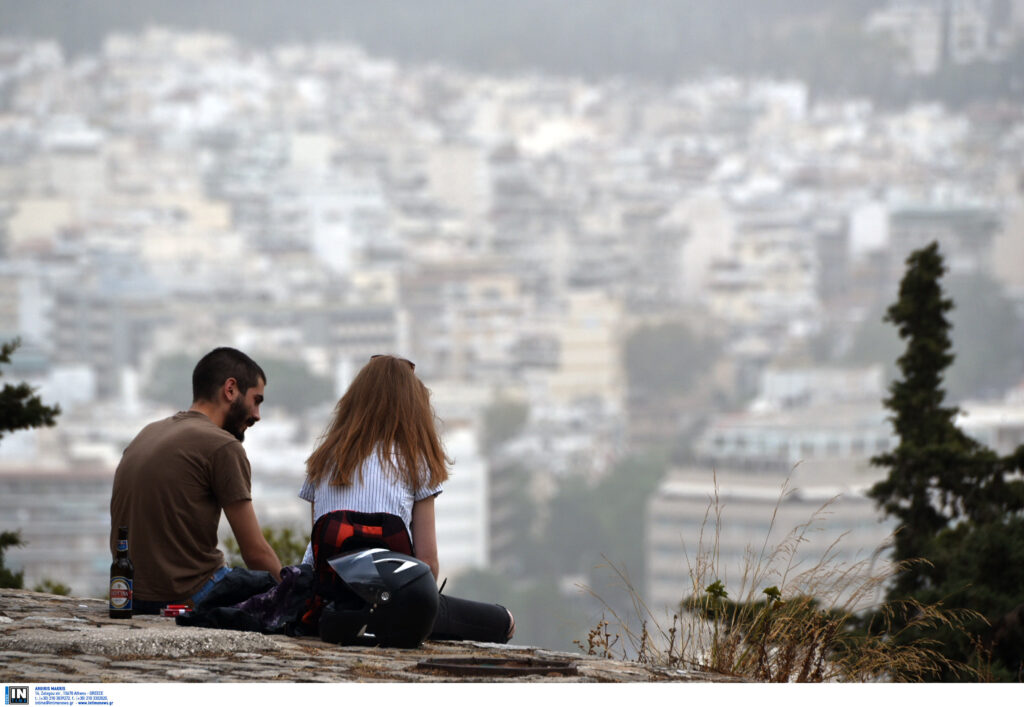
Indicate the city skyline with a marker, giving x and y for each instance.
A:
(314, 204)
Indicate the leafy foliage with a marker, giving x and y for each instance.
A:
(288, 543)
(20, 407)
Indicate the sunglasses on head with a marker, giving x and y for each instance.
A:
(411, 364)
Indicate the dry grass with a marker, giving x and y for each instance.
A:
(801, 628)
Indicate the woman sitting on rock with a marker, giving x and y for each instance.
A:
(372, 482)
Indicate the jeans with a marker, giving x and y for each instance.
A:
(205, 589)
(141, 606)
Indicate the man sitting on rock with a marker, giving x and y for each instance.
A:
(177, 475)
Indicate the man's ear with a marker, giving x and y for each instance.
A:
(230, 389)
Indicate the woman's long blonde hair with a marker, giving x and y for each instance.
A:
(386, 409)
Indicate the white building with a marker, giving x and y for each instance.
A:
(998, 426)
(461, 509)
(590, 365)
(769, 278)
(755, 531)
(966, 30)
(780, 439)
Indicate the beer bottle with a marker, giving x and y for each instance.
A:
(122, 577)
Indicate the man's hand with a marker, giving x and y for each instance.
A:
(256, 551)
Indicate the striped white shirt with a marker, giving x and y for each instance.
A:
(379, 492)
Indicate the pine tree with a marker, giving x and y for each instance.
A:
(938, 475)
(958, 503)
(9, 578)
(921, 421)
(20, 407)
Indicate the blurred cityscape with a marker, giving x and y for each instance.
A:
(586, 272)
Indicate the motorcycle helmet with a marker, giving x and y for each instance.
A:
(391, 600)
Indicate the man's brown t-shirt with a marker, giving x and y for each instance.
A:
(173, 480)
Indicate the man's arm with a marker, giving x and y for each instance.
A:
(424, 534)
(256, 551)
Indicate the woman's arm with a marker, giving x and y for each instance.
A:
(307, 556)
(424, 535)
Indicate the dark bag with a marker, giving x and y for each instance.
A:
(251, 601)
(341, 532)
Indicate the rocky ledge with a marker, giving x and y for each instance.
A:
(45, 638)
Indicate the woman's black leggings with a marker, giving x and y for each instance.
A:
(466, 620)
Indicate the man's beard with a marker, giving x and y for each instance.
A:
(237, 419)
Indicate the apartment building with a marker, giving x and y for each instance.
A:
(753, 531)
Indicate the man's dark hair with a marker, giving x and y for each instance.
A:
(220, 364)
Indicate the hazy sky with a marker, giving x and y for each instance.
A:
(656, 37)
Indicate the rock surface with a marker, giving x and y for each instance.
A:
(46, 638)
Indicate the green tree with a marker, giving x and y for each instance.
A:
(290, 385)
(503, 420)
(915, 490)
(950, 494)
(583, 534)
(981, 567)
(20, 407)
(666, 359)
(9, 579)
(170, 381)
(987, 334)
(295, 387)
(937, 474)
(527, 554)
(288, 543)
